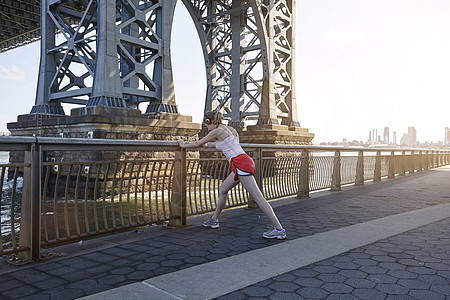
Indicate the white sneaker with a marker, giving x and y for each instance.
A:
(211, 223)
(275, 234)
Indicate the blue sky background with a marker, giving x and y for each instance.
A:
(360, 65)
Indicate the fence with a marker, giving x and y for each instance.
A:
(47, 200)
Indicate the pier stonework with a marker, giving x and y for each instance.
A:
(102, 122)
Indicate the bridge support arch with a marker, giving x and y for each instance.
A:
(116, 54)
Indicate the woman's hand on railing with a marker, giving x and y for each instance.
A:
(181, 143)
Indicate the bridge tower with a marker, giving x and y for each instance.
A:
(113, 55)
(109, 57)
(249, 51)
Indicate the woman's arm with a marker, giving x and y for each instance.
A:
(210, 137)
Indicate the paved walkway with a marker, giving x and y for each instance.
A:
(388, 240)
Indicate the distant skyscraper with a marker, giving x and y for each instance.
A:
(412, 136)
(372, 136)
(394, 138)
(447, 136)
(404, 141)
(386, 135)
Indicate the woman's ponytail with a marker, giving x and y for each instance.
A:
(218, 118)
(213, 117)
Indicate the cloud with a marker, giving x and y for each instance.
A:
(12, 72)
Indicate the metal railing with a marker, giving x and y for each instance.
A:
(55, 191)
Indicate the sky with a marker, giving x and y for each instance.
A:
(360, 65)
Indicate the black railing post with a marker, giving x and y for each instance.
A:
(36, 167)
(420, 166)
(425, 160)
(423, 163)
(30, 216)
(391, 167)
(435, 159)
(303, 185)
(178, 199)
(359, 180)
(411, 167)
(336, 177)
(377, 169)
(403, 163)
(25, 212)
(436, 163)
(431, 160)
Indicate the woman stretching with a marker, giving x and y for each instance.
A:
(243, 167)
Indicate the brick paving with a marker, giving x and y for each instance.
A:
(413, 265)
(349, 275)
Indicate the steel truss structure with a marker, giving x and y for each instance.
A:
(248, 48)
(117, 53)
(19, 23)
(110, 53)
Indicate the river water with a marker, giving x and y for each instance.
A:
(7, 191)
(4, 156)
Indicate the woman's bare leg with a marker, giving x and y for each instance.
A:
(226, 185)
(250, 185)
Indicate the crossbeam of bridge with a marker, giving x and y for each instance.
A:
(19, 23)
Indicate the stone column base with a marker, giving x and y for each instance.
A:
(102, 122)
(276, 134)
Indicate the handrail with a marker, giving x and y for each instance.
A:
(121, 142)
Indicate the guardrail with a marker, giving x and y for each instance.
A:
(50, 201)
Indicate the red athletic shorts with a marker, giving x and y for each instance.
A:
(242, 165)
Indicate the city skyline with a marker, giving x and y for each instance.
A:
(408, 137)
(358, 66)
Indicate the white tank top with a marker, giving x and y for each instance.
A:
(230, 145)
